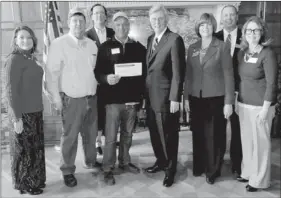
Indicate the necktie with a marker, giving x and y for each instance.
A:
(155, 44)
(228, 41)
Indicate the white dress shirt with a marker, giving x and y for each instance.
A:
(70, 67)
(160, 35)
(233, 38)
(101, 34)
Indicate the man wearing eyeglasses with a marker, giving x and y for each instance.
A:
(231, 34)
(99, 33)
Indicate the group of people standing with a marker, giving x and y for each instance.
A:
(82, 83)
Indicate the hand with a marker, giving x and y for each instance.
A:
(58, 105)
(18, 126)
(174, 106)
(227, 110)
(112, 79)
(262, 116)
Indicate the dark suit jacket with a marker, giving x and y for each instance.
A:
(166, 67)
(214, 77)
(220, 36)
(92, 34)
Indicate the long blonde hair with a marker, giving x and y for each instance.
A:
(264, 40)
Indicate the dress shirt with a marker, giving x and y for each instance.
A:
(233, 34)
(101, 34)
(159, 36)
(70, 67)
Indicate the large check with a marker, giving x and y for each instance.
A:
(128, 69)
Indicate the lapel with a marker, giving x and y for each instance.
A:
(211, 50)
(95, 36)
(195, 50)
(109, 33)
(149, 45)
(162, 42)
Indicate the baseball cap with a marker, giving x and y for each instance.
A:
(119, 14)
(76, 10)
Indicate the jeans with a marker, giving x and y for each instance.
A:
(124, 116)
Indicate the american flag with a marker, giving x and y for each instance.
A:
(53, 27)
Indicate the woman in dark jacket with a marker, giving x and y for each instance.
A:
(209, 88)
(25, 107)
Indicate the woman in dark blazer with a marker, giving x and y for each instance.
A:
(25, 108)
(209, 88)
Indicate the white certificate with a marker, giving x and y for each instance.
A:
(128, 69)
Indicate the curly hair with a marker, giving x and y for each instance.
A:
(15, 47)
(264, 40)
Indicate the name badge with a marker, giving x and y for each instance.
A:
(115, 51)
(195, 54)
(252, 60)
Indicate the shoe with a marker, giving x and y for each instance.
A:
(169, 179)
(99, 150)
(130, 168)
(32, 191)
(236, 172)
(241, 179)
(251, 188)
(153, 169)
(117, 144)
(42, 185)
(70, 180)
(97, 165)
(109, 178)
(210, 180)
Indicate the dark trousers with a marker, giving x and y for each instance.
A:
(208, 134)
(124, 116)
(78, 115)
(164, 135)
(235, 144)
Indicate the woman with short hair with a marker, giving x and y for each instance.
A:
(209, 88)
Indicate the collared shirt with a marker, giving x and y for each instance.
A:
(123, 44)
(70, 67)
(233, 34)
(126, 41)
(101, 34)
(160, 35)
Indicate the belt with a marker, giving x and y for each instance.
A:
(84, 97)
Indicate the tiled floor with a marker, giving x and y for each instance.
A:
(144, 185)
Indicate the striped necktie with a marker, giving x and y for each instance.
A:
(228, 41)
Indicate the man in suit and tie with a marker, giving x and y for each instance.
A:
(231, 34)
(166, 64)
(99, 33)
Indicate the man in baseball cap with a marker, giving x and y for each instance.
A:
(76, 11)
(121, 108)
(119, 14)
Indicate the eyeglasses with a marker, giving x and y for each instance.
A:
(255, 31)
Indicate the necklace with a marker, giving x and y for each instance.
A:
(28, 57)
(249, 54)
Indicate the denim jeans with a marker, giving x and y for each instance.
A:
(123, 116)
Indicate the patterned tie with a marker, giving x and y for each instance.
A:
(228, 41)
(155, 44)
